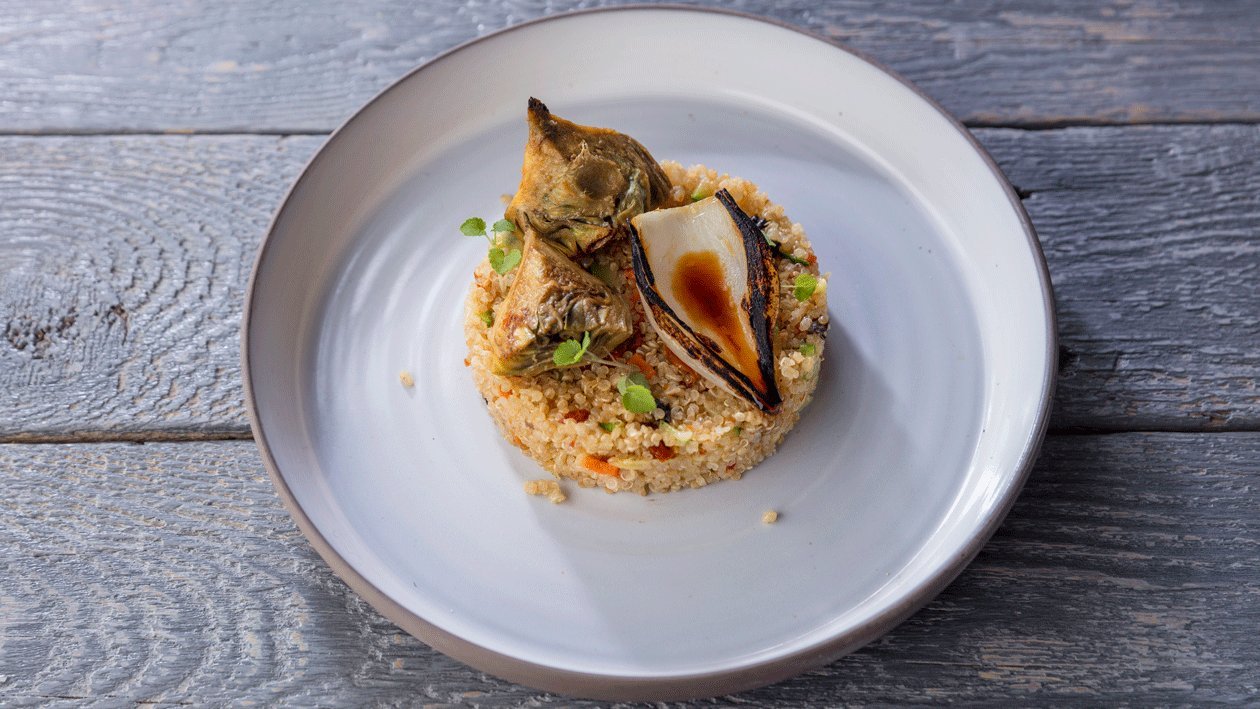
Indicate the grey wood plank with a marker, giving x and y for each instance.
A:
(168, 573)
(1153, 243)
(123, 263)
(276, 66)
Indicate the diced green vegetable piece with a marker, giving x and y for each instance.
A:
(679, 436)
(804, 287)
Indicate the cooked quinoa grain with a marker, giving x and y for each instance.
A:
(572, 420)
(406, 379)
(770, 517)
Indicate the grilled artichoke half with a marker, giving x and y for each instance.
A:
(553, 300)
(581, 185)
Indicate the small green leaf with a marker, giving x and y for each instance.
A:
(502, 261)
(808, 349)
(503, 225)
(630, 380)
(487, 317)
(737, 431)
(567, 354)
(609, 426)
(513, 258)
(698, 195)
(637, 399)
(804, 287)
(635, 395)
(473, 226)
(570, 352)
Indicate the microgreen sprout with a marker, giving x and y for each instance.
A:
(473, 226)
(635, 395)
(503, 261)
(570, 352)
(503, 255)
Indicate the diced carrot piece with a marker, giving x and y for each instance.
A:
(631, 344)
(639, 361)
(599, 466)
(660, 451)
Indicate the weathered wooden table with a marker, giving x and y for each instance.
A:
(145, 558)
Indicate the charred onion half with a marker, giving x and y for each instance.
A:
(710, 288)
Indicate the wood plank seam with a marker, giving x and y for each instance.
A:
(1031, 125)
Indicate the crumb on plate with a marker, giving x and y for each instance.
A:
(406, 379)
(770, 517)
(549, 488)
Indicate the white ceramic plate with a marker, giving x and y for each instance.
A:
(931, 406)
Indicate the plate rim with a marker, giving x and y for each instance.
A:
(623, 688)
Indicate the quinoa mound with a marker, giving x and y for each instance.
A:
(572, 422)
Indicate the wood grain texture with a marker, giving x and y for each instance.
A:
(123, 264)
(1152, 235)
(168, 573)
(274, 66)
